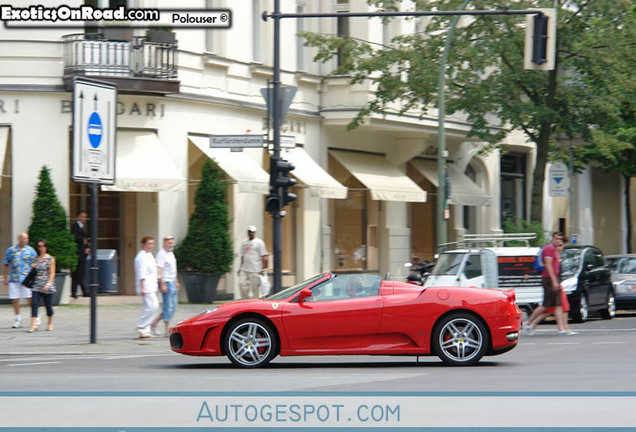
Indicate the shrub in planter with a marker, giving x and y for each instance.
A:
(49, 222)
(207, 247)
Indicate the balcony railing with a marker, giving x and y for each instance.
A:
(93, 56)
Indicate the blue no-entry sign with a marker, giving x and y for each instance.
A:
(95, 130)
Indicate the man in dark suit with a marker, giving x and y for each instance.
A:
(83, 250)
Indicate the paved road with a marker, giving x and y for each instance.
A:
(599, 358)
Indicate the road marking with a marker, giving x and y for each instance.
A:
(607, 343)
(33, 364)
(563, 343)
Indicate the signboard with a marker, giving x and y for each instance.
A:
(559, 178)
(236, 141)
(286, 95)
(94, 131)
(518, 272)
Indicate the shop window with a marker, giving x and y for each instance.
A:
(5, 190)
(355, 225)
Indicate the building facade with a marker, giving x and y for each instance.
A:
(366, 197)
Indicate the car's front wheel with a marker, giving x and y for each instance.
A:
(610, 311)
(460, 339)
(581, 313)
(250, 343)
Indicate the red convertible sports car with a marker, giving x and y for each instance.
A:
(355, 314)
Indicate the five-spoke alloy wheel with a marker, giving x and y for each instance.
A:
(251, 343)
(460, 339)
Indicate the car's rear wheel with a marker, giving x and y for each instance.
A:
(581, 313)
(460, 339)
(250, 343)
(610, 311)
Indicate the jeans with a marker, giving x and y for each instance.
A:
(170, 298)
(39, 298)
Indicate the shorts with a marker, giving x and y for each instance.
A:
(551, 298)
(17, 290)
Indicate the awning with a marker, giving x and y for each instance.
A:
(142, 165)
(318, 181)
(251, 178)
(384, 181)
(4, 137)
(463, 190)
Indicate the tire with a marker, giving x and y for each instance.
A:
(250, 343)
(582, 313)
(610, 311)
(460, 339)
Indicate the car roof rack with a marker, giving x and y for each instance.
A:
(486, 240)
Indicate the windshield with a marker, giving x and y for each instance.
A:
(570, 262)
(622, 264)
(448, 264)
(294, 289)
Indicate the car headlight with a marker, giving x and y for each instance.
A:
(626, 287)
(570, 284)
(208, 310)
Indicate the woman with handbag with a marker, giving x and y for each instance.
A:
(44, 285)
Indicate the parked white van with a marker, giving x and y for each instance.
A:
(473, 264)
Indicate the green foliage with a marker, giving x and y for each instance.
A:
(49, 222)
(522, 226)
(591, 95)
(207, 246)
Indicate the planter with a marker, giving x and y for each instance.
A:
(161, 36)
(201, 287)
(60, 282)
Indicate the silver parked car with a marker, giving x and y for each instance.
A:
(623, 268)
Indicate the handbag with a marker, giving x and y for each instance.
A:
(264, 285)
(30, 279)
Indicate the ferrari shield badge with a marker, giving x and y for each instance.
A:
(275, 305)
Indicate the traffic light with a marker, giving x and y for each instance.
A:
(273, 202)
(280, 181)
(540, 44)
(540, 39)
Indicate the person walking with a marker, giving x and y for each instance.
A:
(168, 283)
(83, 250)
(17, 265)
(552, 288)
(253, 264)
(146, 286)
(44, 285)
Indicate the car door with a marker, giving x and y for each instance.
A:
(602, 277)
(335, 317)
(593, 280)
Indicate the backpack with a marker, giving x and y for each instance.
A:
(538, 261)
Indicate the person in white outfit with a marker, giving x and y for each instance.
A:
(253, 264)
(146, 286)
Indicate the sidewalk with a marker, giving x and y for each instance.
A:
(116, 329)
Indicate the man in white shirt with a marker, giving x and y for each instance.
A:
(146, 286)
(253, 264)
(168, 283)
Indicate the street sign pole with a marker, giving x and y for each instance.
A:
(93, 161)
(276, 216)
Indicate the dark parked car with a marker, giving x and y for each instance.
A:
(623, 268)
(588, 282)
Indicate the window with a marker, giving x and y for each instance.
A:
(346, 287)
(300, 41)
(342, 30)
(209, 33)
(513, 186)
(5, 187)
(257, 49)
(473, 267)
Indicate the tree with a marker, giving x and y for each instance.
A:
(207, 246)
(486, 79)
(49, 222)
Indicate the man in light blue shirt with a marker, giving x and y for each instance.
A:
(17, 265)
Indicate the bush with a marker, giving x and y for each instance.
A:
(207, 246)
(49, 222)
(523, 226)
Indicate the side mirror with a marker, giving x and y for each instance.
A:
(304, 293)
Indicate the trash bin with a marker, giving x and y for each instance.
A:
(107, 275)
